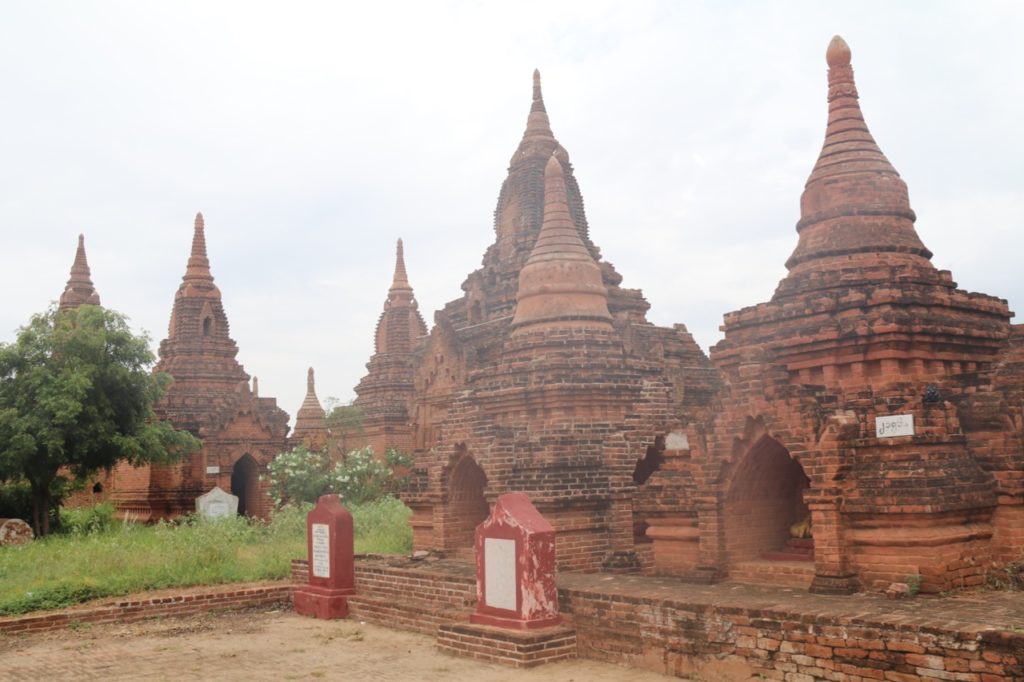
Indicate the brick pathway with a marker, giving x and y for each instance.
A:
(264, 645)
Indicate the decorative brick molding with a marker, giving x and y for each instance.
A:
(130, 609)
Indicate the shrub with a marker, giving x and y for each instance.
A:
(84, 520)
(302, 475)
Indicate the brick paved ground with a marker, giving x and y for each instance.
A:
(263, 645)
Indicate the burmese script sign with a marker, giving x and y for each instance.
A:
(321, 555)
(894, 425)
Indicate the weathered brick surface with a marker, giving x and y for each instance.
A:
(727, 631)
(182, 602)
(646, 455)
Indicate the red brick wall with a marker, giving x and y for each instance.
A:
(126, 610)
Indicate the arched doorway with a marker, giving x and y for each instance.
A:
(467, 506)
(245, 484)
(764, 501)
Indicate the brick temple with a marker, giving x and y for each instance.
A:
(210, 397)
(861, 426)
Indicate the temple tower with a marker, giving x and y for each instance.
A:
(384, 394)
(862, 334)
(310, 427)
(544, 377)
(211, 397)
(79, 289)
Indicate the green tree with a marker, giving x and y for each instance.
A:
(344, 423)
(76, 396)
(302, 475)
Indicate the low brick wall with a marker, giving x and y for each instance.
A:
(188, 602)
(416, 596)
(731, 632)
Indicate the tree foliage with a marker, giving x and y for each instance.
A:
(303, 475)
(344, 423)
(76, 397)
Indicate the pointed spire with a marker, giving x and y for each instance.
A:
(198, 263)
(854, 200)
(79, 289)
(255, 387)
(309, 420)
(311, 404)
(561, 280)
(537, 123)
(401, 279)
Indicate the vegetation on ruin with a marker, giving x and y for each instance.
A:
(76, 397)
(98, 557)
(303, 475)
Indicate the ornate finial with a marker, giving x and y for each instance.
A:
(838, 52)
(198, 264)
(401, 279)
(199, 237)
(255, 386)
(310, 383)
(538, 97)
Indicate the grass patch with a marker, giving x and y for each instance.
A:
(62, 570)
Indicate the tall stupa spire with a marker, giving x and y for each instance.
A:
(79, 289)
(561, 280)
(537, 123)
(854, 201)
(401, 279)
(198, 264)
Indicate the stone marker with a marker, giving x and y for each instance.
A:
(331, 561)
(216, 504)
(15, 532)
(515, 567)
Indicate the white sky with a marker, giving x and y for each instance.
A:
(312, 135)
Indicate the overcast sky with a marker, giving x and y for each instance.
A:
(312, 135)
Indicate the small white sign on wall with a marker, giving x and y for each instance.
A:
(500, 573)
(210, 471)
(894, 425)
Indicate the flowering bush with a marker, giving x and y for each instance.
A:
(302, 475)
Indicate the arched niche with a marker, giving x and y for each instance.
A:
(764, 499)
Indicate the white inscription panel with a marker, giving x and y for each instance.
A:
(217, 510)
(210, 471)
(500, 573)
(894, 425)
(321, 551)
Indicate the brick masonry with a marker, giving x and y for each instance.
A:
(182, 602)
(730, 631)
(649, 456)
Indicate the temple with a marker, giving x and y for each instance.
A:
(862, 425)
(211, 398)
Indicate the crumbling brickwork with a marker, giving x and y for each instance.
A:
(767, 462)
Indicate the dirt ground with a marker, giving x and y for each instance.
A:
(264, 645)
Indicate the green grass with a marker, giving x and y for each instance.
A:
(62, 570)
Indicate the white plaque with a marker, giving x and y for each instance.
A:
(894, 425)
(321, 551)
(210, 471)
(500, 573)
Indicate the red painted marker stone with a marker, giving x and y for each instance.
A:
(515, 567)
(331, 562)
